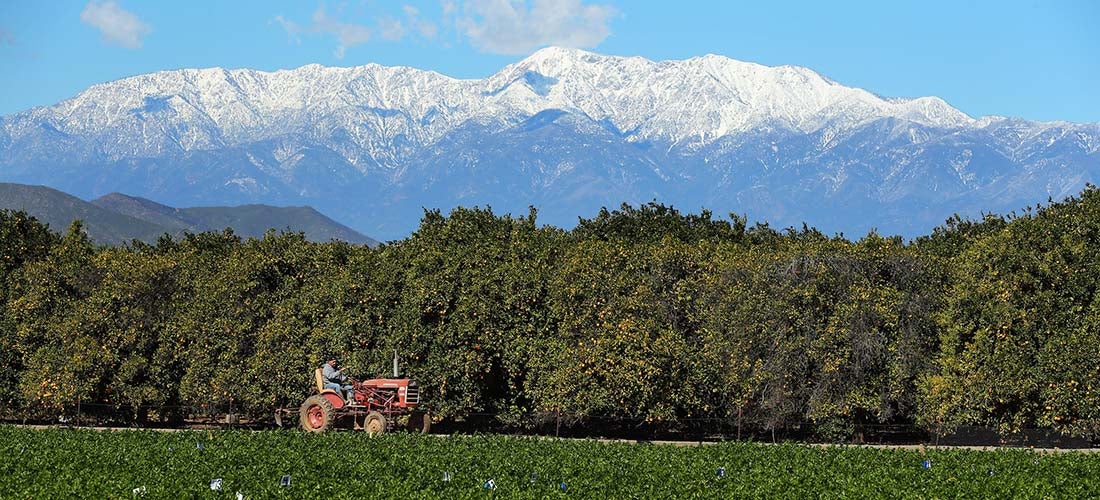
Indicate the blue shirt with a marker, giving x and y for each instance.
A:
(331, 375)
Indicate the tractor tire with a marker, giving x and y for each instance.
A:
(419, 423)
(317, 414)
(376, 423)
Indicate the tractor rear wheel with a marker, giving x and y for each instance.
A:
(317, 414)
(376, 423)
(419, 422)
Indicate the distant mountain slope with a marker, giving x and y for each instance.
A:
(117, 218)
(59, 210)
(564, 130)
(146, 210)
(256, 219)
(246, 220)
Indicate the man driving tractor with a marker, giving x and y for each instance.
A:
(374, 405)
(334, 379)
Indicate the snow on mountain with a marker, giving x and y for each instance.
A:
(705, 97)
(698, 99)
(561, 124)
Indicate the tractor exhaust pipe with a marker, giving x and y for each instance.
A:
(395, 363)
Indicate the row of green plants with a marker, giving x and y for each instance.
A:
(642, 313)
(58, 463)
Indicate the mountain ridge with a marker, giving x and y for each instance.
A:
(374, 145)
(117, 218)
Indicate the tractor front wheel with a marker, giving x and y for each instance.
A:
(376, 423)
(317, 414)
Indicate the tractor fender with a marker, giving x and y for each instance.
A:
(335, 399)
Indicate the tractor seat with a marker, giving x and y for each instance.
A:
(321, 383)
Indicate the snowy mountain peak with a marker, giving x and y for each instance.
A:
(709, 96)
(701, 99)
(559, 54)
(565, 130)
(932, 111)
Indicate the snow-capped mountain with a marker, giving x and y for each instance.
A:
(565, 130)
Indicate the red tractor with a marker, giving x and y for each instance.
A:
(377, 405)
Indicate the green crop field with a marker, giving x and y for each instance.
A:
(61, 463)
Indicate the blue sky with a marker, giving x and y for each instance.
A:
(1037, 59)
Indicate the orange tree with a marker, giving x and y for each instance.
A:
(1019, 332)
(124, 316)
(234, 291)
(627, 342)
(310, 316)
(803, 328)
(23, 239)
(60, 361)
(467, 307)
(877, 337)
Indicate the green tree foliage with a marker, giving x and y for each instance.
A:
(23, 239)
(820, 330)
(621, 344)
(641, 313)
(654, 222)
(470, 311)
(1019, 335)
(60, 362)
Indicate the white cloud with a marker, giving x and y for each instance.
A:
(117, 25)
(347, 35)
(426, 29)
(292, 29)
(511, 27)
(449, 7)
(390, 29)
